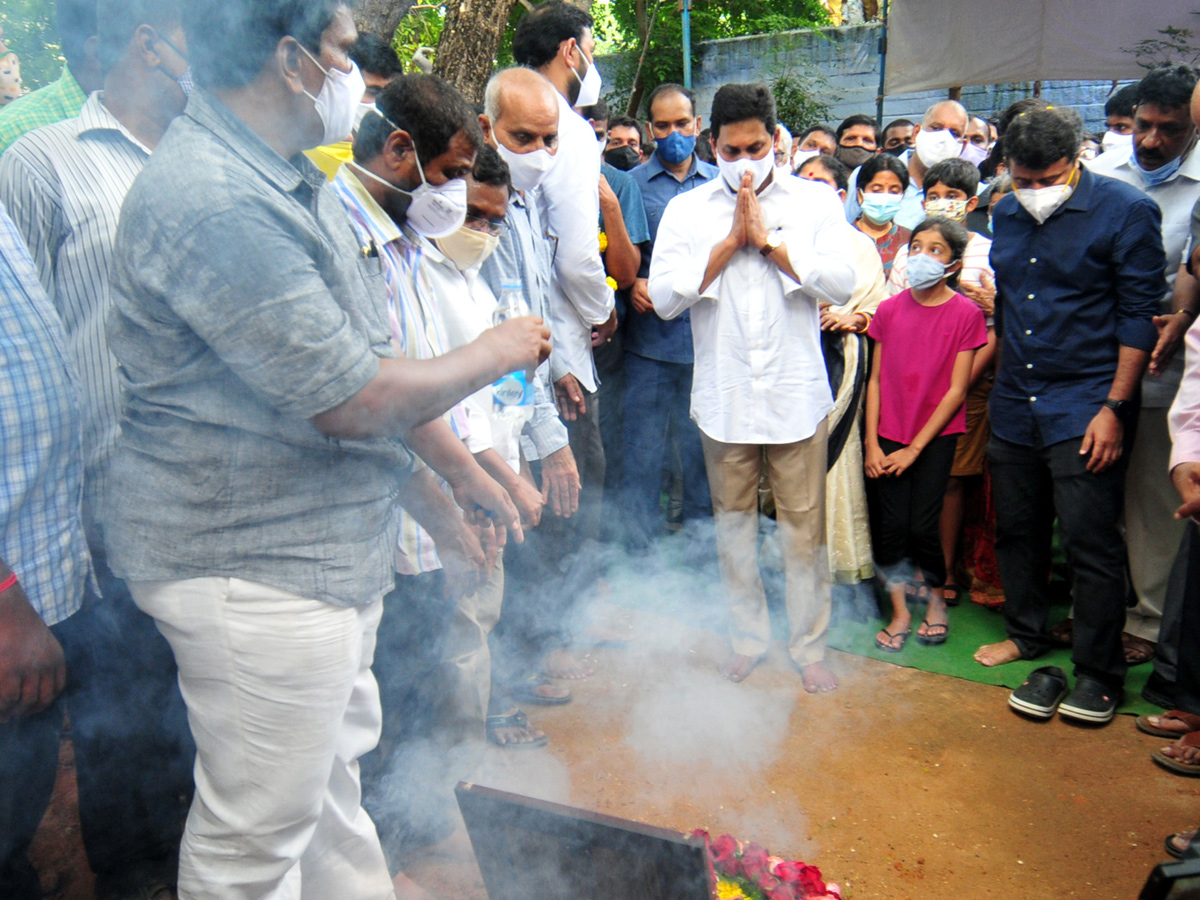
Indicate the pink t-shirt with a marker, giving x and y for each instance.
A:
(918, 346)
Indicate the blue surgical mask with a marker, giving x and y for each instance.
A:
(1157, 176)
(675, 148)
(924, 271)
(881, 208)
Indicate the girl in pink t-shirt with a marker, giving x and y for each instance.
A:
(926, 338)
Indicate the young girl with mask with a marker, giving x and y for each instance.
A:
(882, 181)
(926, 338)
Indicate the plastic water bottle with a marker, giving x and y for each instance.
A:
(512, 394)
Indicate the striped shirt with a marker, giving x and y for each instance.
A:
(57, 101)
(64, 185)
(41, 535)
(417, 328)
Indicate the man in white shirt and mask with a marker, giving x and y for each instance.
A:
(556, 40)
(753, 256)
(940, 136)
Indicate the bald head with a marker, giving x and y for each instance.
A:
(948, 115)
(521, 111)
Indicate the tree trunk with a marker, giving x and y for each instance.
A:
(381, 17)
(471, 35)
(642, 16)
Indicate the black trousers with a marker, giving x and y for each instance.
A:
(1030, 485)
(1187, 648)
(133, 751)
(909, 508)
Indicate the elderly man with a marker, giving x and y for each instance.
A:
(259, 462)
(1079, 268)
(1164, 163)
(555, 39)
(940, 136)
(753, 256)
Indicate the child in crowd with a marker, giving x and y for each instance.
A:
(926, 339)
(951, 189)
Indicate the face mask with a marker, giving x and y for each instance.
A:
(589, 84)
(675, 148)
(526, 169)
(934, 147)
(186, 82)
(1042, 202)
(623, 158)
(467, 248)
(853, 157)
(881, 208)
(974, 154)
(338, 101)
(732, 172)
(1112, 140)
(803, 156)
(924, 271)
(897, 151)
(434, 210)
(955, 210)
(364, 109)
(1158, 176)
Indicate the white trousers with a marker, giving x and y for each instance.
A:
(282, 703)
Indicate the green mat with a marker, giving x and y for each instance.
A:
(971, 626)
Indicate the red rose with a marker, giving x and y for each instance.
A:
(811, 882)
(700, 832)
(724, 852)
(755, 862)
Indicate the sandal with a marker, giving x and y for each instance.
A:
(931, 638)
(1172, 842)
(1192, 722)
(1137, 650)
(887, 647)
(515, 720)
(526, 692)
(952, 593)
(1178, 766)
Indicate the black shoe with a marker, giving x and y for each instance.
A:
(1159, 691)
(1041, 693)
(1091, 701)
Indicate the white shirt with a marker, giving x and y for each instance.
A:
(465, 305)
(759, 372)
(1175, 198)
(570, 199)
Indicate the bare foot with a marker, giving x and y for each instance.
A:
(737, 666)
(561, 664)
(608, 633)
(407, 889)
(997, 654)
(818, 679)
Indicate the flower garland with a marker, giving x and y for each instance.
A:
(748, 872)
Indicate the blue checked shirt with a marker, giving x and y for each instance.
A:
(41, 486)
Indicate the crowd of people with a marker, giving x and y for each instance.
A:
(327, 397)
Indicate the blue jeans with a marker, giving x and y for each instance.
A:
(658, 398)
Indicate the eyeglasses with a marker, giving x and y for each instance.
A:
(487, 226)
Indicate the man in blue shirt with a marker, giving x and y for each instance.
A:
(658, 353)
(1079, 267)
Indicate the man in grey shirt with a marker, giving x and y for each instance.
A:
(252, 490)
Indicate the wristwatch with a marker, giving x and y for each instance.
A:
(1122, 408)
(771, 245)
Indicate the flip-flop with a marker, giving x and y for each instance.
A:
(1192, 722)
(1172, 848)
(958, 592)
(1191, 770)
(526, 692)
(933, 640)
(1137, 650)
(888, 648)
(516, 720)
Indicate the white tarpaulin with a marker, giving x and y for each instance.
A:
(942, 43)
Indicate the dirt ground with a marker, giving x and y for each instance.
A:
(899, 785)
